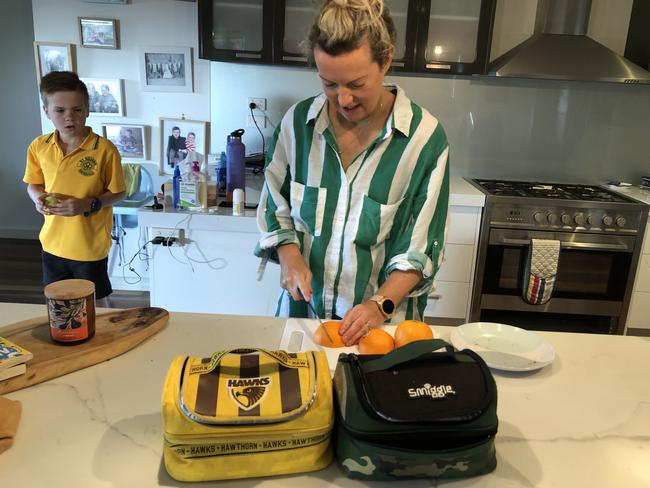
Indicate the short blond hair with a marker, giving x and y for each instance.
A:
(341, 26)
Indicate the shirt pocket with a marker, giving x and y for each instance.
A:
(376, 222)
(307, 207)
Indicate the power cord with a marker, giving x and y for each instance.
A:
(251, 106)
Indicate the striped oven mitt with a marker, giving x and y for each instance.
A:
(541, 270)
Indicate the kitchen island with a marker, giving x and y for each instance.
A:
(584, 420)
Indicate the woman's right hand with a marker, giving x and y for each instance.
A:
(295, 274)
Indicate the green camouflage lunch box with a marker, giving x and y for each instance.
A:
(416, 412)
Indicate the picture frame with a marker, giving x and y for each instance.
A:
(96, 32)
(53, 56)
(174, 143)
(166, 69)
(105, 97)
(130, 140)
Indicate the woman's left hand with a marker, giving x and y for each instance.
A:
(358, 322)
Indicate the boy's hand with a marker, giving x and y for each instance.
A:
(69, 206)
(41, 204)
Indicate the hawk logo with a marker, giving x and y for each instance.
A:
(87, 166)
(248, 392)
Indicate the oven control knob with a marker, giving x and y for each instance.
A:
(620, 221)
(590, 219)
(552, 218)
(607, 220)
(538, 217)
(579, 219)
(565, 218)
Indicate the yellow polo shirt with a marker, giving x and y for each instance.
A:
(88, 171)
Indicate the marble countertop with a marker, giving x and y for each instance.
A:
(582, 421)
(635, 192)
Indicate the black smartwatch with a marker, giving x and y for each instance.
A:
(386, 305)
(95, 206)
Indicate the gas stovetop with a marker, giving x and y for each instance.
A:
(559, 207)
(559, 191)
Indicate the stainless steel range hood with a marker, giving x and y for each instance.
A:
(560, 50)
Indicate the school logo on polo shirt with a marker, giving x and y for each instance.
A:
(87, 166)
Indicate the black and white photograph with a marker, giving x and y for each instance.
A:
(178, 139)
(105, 96)
(166, 69)
(98, 33)
(52, 56)
(128, 139)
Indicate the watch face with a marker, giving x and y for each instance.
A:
(388, 306)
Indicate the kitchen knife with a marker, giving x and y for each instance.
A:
(313, 311)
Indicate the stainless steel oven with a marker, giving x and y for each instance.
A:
(600, 238)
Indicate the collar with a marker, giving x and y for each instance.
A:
(400, 120)
(90, 142)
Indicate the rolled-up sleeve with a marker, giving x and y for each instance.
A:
(274, 212)
(420, 245)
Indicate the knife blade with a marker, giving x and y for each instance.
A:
(313, 311)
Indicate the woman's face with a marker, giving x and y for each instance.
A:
(352, 82)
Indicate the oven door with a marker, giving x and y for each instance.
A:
(592, 274)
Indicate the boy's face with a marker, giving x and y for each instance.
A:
(190, 137)
(68, 111)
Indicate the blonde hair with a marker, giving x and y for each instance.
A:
(341, 26)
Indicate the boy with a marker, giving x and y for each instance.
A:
(73, 177)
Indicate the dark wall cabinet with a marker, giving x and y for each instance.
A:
(433, 36)
(637, 48)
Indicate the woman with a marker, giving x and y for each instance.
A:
(356, 195)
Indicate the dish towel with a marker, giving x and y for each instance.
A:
(131, 178)
(541, 270)
(9, 417)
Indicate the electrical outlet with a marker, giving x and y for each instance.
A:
(260, 102)
(177, 234)
(261, 121)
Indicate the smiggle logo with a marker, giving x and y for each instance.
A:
(435, 392)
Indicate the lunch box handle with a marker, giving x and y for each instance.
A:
(406, 353)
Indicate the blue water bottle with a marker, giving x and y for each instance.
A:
(221, 172)
(176, 186)
(235, 153)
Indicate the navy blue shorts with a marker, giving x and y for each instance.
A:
(56, 268)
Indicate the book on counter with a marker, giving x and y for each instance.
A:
(12, 359)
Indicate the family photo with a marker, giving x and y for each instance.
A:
(52, 56)
(104, 96)
(166, 69)
(101, 33)
(128, 139)
(180, 138)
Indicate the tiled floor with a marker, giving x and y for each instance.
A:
(20, 276)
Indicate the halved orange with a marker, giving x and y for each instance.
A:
(378, 341)
(412, 330)
(320, 337)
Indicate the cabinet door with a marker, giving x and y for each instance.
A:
(454, 36)
(236, 31)
(293, 21)
(404, 15)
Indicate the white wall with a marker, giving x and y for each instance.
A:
(20, 122)
(141, 23)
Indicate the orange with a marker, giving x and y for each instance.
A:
(412, 330)
(320, 337)
(377, 341)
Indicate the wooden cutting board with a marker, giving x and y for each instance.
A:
(115, 333)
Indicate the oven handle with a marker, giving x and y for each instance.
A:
(570, 245)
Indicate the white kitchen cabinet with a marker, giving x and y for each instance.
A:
(638, 316)
(450, 297)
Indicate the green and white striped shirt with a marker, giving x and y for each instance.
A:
(388, 211)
